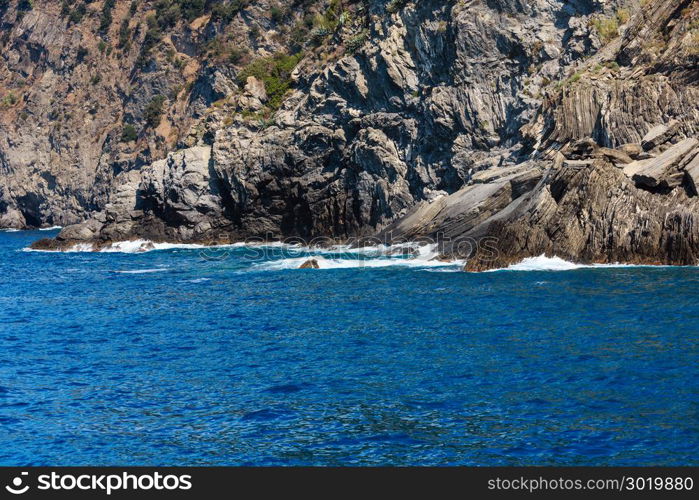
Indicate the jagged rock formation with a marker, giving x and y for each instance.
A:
(618, 143)
(601, 209)
(433, 90)
(599, 213)
(450, 218)
(93, 88)
(551, 127)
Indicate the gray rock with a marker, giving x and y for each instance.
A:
(577, 164)
(659, 135)
(662, 171)
(452, 216)
(446, 121)
(617, 156)
(632, 150)
(579, 150)
(594, 215)
(692, 169)
(361, 140)
(12, 219)
(84, 232)
(254, 95)
(61, 153)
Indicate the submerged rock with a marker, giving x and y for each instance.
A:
(310, 264)
(47, 244)
(146, 247)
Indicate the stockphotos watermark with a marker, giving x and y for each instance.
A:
(104, 483)
(359, 249)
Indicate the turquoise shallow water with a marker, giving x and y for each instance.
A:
(191, 361)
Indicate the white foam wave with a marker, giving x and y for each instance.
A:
(335, 257)
(543, 263)
(402, 251)
(143, 246)
(143, 271)
(424, 256)
(132, 246)
(379, 250)
(15, 230)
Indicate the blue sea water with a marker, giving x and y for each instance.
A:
(168, 357)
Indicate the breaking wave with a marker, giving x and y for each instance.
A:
(135, 246)
(292, 256)
(543, 263)
(343, 257)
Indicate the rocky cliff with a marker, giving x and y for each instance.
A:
(93, 90)
(564, 128)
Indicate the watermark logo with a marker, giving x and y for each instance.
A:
(360, 252)
(16, 487)
(217, 253)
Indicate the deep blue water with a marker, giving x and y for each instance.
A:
(226, 362)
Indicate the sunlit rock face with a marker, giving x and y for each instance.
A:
(409, 118)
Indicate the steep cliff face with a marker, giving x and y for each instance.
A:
(647, 76)
(637, 203)
(92, 89)
(410, 119)
(440, 90)
(401, 103)
(614, 151)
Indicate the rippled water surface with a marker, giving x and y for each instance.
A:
(167, 357)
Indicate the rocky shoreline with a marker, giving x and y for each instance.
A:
(448, 124)
(589, 204)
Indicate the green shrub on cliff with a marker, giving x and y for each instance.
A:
(324, 25)
(275, 72)
(170, 12)
(81, 54)
(356, 42)
(76, 15)
(154, 111)
(106, 19)
(129, 134)
(607, 28)
(124, 35)
(227, 11)
(65, 8)
(9, 100)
